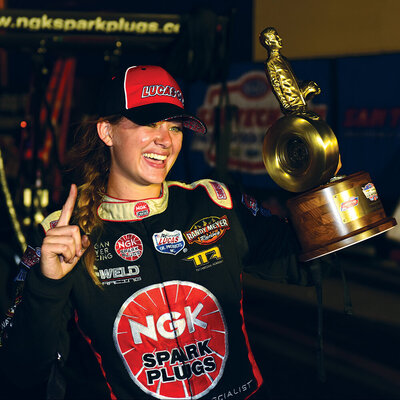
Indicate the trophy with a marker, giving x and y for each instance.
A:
(301, 154)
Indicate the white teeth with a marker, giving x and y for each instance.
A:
(155, 156)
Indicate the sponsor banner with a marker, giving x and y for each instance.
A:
(256, 110)
(168, 242)
(77, 22)
(207, 230)
(150, 325)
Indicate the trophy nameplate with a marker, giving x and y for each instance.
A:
(301, 154)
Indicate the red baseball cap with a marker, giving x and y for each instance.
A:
(146, 94)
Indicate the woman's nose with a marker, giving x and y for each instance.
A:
(163, 135)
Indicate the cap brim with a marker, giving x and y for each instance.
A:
(148, 114)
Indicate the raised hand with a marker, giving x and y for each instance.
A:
(63, 245)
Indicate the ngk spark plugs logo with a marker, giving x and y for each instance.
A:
(172, 338)
(141, 210)
(129, 247)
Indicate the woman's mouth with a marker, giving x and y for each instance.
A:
(154, 156)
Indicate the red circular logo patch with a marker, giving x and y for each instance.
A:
(173, 340)
(129, 247)
(141, 209)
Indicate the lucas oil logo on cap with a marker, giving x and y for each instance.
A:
(172, 339)
(169, 242)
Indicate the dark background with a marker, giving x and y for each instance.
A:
(361, 350)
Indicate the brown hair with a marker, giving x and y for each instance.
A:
(90, 159)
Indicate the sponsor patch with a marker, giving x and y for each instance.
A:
(102, 250)
(250, 203)
(129, 247)
(161, 90)
(206, 259)
(118, 275)
(30, 257)
(168, 242)
(350, 203)
(141, 210)
(207, 230)
(370, 191)
(219, 190)
(169, 335)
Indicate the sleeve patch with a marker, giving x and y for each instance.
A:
(250, 203)
(30, 257)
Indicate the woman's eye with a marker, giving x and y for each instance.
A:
(176, 128)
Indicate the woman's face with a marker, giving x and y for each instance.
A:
(141, 156)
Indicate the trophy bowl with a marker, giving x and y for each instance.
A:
(300, 153)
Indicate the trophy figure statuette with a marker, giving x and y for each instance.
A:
(301, 154)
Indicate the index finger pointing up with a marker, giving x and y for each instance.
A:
(68, 207)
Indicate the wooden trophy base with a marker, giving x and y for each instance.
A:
(337, 215)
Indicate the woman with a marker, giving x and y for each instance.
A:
(150, 270)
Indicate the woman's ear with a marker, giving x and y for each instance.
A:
(104, 132)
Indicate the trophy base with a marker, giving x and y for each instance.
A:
(337, 215)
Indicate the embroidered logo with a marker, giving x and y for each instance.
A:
(250, 203)
(207, 230)
(161, 90)
(167, 242)
(119, 275)
(206, 259)
(172, 338)
(30, 257)
(129, 247)
(219, 191)
(141, 210)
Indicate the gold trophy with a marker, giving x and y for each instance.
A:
(301, 154)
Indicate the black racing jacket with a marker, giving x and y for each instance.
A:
(167, 321)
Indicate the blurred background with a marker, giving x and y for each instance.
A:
(54, 54)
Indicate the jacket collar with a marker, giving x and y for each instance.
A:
(112, 209)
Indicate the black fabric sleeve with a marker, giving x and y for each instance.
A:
(272, 244)
(36, 334)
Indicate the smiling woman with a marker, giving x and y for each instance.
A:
(141, 156)
(151, 270)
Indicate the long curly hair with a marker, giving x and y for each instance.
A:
(90, 159)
